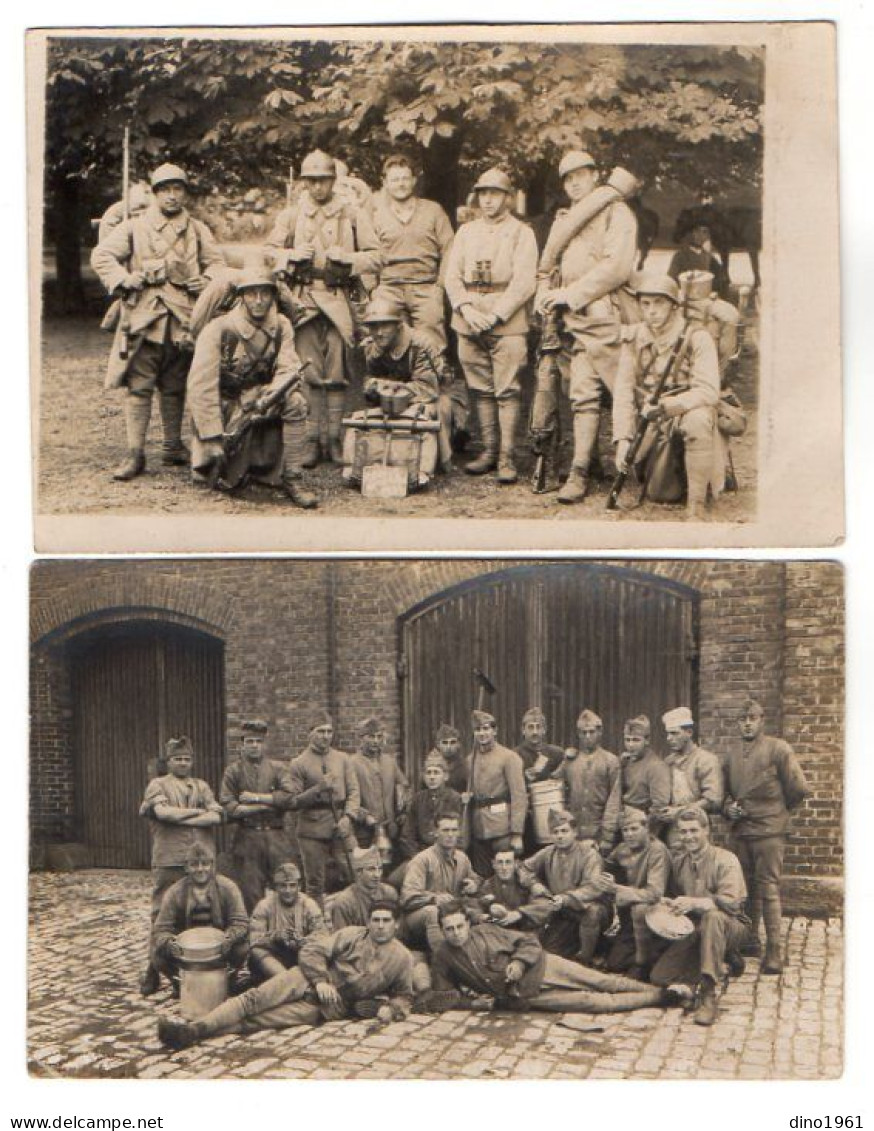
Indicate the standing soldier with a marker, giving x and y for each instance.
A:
(496, 795)
(182, 813)
(382, 788)
(696, 774)
(646, 780)
(592, 266)
(324, 793)
(155, 263)
(414, 237)
(540, 760)
(447, 743)
(593, 788)
(240, 358)
(331, 246)
(255, 800)
(764, 784)
(490, 277)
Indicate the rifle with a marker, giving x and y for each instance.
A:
(643, 424)
(545, 440)
(255, 414)
(124, 312)
(483, 684)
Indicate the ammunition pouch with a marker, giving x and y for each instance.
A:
(338, 275)
(730, 416)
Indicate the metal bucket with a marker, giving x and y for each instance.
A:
(203, 973)
(545, 795)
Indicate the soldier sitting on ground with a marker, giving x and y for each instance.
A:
(508, 901)
(280, 924)
(351, 907)
(437, 875)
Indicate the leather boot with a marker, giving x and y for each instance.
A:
(708, 1007)
(585, 436)
(336, 403)
(698, 467)
(178, 1034)
(772, 912)
(508, 419)
(137, 411)
(311, 451)
(294, 447)
(487, 411)
(773, 960)
(173, 452)
(150, 982)
(576, 485)
(588, 941)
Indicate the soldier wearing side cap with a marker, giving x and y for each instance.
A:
(255, 801)
(447, 743)
(382, 787)
(351, 907)
(490, 278)
(280, 924)
(764, 785)
(696, 773)
(687, 407)
(540, 760)
(419, 827)
(496, 795)
(331, 246)
(594, 263)
(240, 358)
(645, 779)
(156, 263)
(593, 786)
(323, 788)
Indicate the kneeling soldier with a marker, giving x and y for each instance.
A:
(240, 358)
(687, 406)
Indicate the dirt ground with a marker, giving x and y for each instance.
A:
(82, 439)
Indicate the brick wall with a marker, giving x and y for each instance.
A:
(306, 635)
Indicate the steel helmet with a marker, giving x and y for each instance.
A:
(576, 159)
(654, 283)
(318, 164)
(381, 310)
(494, 179)
(166, 173)
(251, 277)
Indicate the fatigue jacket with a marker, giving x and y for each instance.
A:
(515, 896)
(227, 912)
(458, 770)
(419, 828)
(271, 919)
(764, 777)
(233, 356)
(430, 873)
(694, 382)
(646, 781)
(696, 779)
(510, 249)
(596, 263)
(359, 968)
(413, 250)
(647, 871)
(181, 248)
(259, 777)
(552, 757)
(352, 906)
(481, 964)
(382, 787)
(171, 841)
(593, 789)
(336, 223)
(716, 873)
(571, 872)
(413, 362)
(304, 780)
(500, 799)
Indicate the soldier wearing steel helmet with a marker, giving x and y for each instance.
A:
(156, 263)
(239, 358)
(490, 278)
(687, 407)
(593, 264)
(330, 246)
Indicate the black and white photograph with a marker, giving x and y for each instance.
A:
(436, 819)
(354, 288)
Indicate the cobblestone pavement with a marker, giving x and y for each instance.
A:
(86, 1018)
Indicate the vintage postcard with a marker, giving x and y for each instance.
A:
(436, 819)
(457, 287)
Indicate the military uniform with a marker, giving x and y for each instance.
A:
(420, 820)
(237, 361)
(593, 793)
(498, 806)
(324, 320)
(171, 252)
(431, 873)
(574, 930)
(696, 780)
(382, 788)
(689, 397)
(645, 781)
(647, 872)
(219, 905)
(351, 907)
(277, 932)
(492, 266)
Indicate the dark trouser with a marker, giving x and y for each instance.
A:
(575, 934)
(635, 945)
(482, 853)
(257, 853)
(761, 859)
(701, 953)
(264, 964)
(317, 855)
(169, 967)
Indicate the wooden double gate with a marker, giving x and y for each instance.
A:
(559, 637)
(134, 686)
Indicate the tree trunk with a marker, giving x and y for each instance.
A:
(68, 247)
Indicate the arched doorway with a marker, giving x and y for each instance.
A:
(135, 684)
(559, 637)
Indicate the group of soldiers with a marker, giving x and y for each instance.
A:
(348, 292)
(354, 895)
